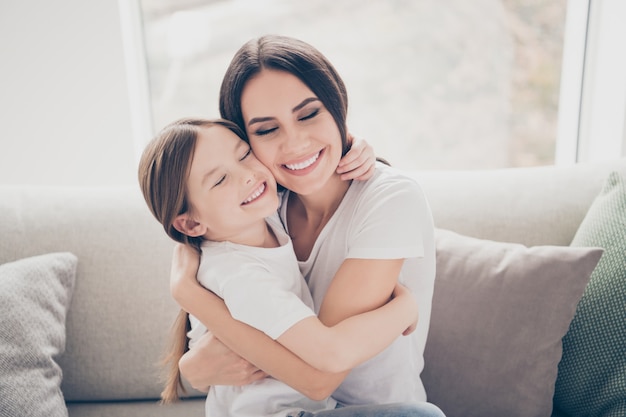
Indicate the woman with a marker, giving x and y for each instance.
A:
(354, 240)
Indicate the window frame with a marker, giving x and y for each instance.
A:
(592, 99)
(592, 102)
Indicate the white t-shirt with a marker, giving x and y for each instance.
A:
(386, 217)
(262, 287)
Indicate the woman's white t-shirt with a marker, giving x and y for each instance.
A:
(386, 217)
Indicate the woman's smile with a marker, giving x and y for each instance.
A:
(305, 165)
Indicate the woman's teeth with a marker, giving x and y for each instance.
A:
(304, 164)
(255, 194)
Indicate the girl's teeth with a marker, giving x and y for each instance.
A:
(256, 194)
(304, 164)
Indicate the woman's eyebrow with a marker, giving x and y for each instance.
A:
(304, 103)
(258, 120)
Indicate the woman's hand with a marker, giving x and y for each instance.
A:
(359, 163)
(402, 291)
(210, 362)
(185, 263)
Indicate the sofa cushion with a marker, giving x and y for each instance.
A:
(592, 373)
(499, 313)
(35, 295)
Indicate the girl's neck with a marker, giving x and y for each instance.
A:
(258, 235)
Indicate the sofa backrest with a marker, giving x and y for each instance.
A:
(121, 310)
(532, 206)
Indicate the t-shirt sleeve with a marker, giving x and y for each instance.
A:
(197, 330)
(389, 221)
(257, 297)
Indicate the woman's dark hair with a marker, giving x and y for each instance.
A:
(291, 55)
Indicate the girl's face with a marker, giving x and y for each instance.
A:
(291, 131)
(228, 188)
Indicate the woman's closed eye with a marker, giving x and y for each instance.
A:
(263, 132)
(309, 115)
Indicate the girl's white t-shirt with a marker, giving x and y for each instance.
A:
(386, 217)
(263, 288)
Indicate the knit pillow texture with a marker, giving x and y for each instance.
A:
(592, 372)
(35, 294)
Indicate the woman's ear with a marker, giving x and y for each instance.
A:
(188, 226)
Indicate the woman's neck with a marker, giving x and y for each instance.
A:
(307, 215)
(319, 206)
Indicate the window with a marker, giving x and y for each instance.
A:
(431, 85)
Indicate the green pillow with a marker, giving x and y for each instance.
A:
(592, 372)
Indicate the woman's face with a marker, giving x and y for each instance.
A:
(290, 131)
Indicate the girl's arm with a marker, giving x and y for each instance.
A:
(255, 346)
(374, 281)
(349, 343)
(359, 163)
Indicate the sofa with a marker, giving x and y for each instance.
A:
(85, 308)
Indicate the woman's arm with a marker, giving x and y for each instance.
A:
(359, 285)
(279, 362)
(210, 362)
(349, 343)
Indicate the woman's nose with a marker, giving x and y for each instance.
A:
(295, 141)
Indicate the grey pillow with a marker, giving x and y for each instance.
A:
(35, 294)
(499, 313)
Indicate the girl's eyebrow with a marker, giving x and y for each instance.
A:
(241, 144)
(295, 109)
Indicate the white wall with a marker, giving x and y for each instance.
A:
(64, 108)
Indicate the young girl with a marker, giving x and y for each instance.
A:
(202, 182)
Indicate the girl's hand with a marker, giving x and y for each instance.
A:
(210, 362)
(359, 163)
(402, 291)
(185, 264)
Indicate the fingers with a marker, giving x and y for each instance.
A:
(360, 153)
(250, 375)
(359, 163)
(410, 329)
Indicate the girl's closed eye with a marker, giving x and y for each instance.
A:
(247, 154)
(221, 180)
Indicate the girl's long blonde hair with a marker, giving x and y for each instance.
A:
(178, 345)
(163, 172)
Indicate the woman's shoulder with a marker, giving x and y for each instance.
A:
(387, 179)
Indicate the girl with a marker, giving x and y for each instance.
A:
(202, 182)
(354, 240)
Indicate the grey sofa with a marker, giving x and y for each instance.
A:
(120, 310)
